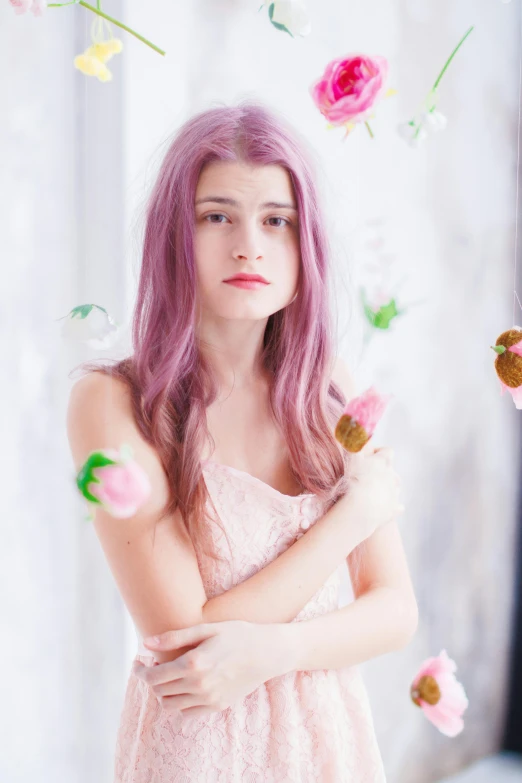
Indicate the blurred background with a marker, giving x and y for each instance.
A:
(437, 223)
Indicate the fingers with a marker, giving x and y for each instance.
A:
(164, 672)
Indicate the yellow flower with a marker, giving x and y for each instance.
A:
(92, 61)
(105, 49)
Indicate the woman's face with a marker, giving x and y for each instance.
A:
(245, 221)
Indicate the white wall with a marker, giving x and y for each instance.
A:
(77, 160)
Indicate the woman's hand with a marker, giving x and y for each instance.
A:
(373, 494)
(232, 659)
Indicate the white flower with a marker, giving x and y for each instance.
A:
(412, 133)
(434, 119)
(415, 131)
(290, 16)
(90, 324)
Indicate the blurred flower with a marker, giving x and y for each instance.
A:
(92, 61)
(508, 363)
(290, 16)
(115, 481)
(22, 6)
(381, 316)
(90, 324)
(428, 118)
(349, 88)
(359, 419)
(440, 696)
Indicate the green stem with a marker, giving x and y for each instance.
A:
(452, 55)
(369, 129)
(109, 19)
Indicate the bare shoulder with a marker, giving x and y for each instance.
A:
(342, 376)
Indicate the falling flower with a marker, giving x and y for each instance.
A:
(508, 363)
(440, 696)
(115, 481)
(92, 61)
(428, 119)
(37, 7)
(85, 60)
(349, 88)
(359, 419)
(381, 317)
(90, 324)
(290, 16)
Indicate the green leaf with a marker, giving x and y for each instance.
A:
(85, 476)
(381, 318)
(277, 25)
(385, 315)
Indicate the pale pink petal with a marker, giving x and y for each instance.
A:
(21, 6)
(516, 393)
(38, 7)
(446, 722)
(517, 348)
(367, 408)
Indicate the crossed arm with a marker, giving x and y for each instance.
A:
(161, 597)
(382, 618)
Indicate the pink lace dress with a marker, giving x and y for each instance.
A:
(302, 727)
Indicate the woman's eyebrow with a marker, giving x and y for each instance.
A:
(233, 203)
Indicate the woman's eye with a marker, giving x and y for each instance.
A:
(285, 221)
(220, 215)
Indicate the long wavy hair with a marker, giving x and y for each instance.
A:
(170, 382)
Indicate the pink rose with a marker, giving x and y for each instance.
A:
(349, 88)
(115, 481)
(440, 696)
(22, 6)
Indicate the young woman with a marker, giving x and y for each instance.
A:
(230, 401)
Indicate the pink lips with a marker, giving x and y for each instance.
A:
(244, 283)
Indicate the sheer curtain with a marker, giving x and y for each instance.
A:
(78, 158)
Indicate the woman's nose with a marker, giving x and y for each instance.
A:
(247, 243)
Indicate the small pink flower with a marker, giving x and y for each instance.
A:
(22, 6)
(349, 88)
(440, 696)
(509, 367)
(121, 487)
(359, 419)
(367, 409)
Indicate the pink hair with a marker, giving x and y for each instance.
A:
(171, 383)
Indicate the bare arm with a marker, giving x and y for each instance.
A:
(377, 622)
(278, 592)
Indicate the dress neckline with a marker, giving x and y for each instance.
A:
(255, 480)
